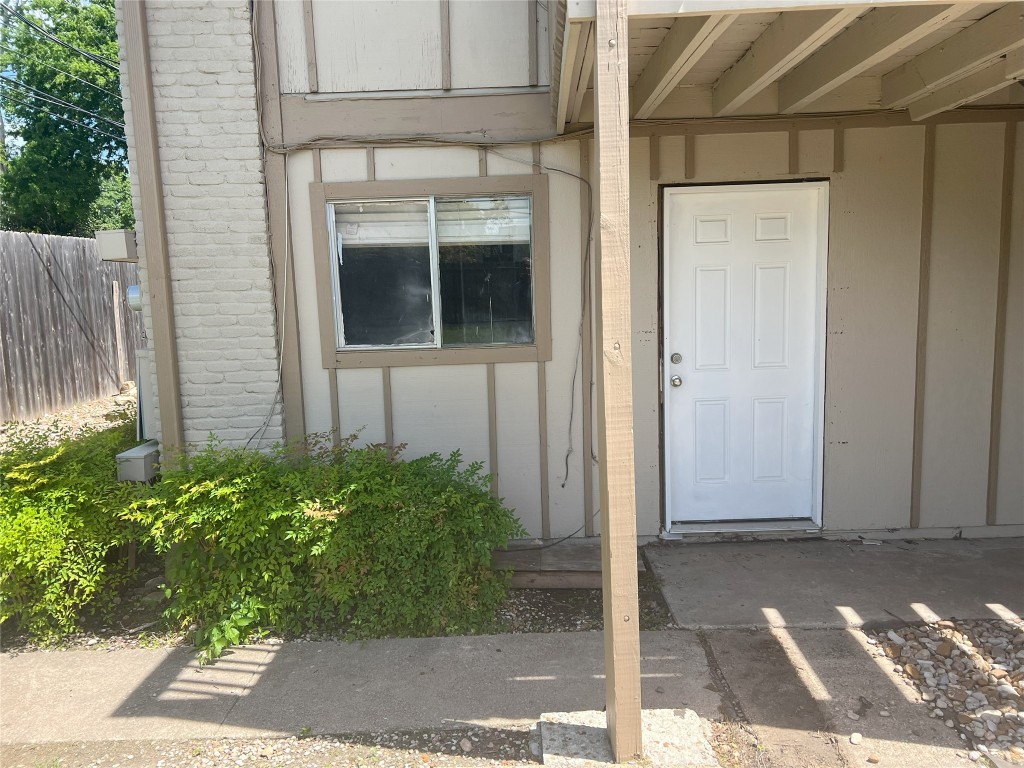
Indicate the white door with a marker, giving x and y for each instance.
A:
(744, 270)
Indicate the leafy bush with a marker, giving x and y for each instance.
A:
(61, 518)
(327, 538)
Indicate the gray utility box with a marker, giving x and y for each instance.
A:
(138, 464)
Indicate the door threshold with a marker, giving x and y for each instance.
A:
(801, 525)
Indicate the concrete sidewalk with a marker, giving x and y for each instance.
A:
(834, 584)
(332, 687)
(771, 642)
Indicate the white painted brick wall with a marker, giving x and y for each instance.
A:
(205, 97)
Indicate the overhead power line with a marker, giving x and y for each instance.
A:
(101, 60)
(42, 111)
(57, 101)
(63, 72)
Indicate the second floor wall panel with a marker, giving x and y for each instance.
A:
(367, 46)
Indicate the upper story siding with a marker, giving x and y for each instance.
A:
(373, 46)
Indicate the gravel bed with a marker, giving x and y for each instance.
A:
(971, 674)
(462, 748)
(68, 424)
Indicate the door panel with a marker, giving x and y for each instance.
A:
(744, 311)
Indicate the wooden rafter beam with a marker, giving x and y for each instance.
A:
(570, 46)
(987, 39)
(790, 39)
(989, 79)
(880, 34)
(615, 387)
(686, 42)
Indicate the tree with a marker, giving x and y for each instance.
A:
(66, 158)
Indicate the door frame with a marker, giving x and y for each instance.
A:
(820, 310)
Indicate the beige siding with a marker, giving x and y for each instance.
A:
(361, 404)
(515, 390)
(377, 46)
(816, 155)
(490, 43)
(643, 212)
(315, 386)
(871, 346)
(961, 324)
(292, 66)
(741, 156)
(563, 397)
(442, 409)
(1010, 488)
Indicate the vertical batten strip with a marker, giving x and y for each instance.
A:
(838, 149)
(1002, 289)
(587, 342)
(151, 201)
(307, 18)
(492, 429)
(446, 45)
(371, 165)
(279, 229)
(389, 428)
(532, 41)
(794, 151)
(689, 155)
(332, 373)
(655, 153)
(542, 416)
(482, 161)
(924, 281)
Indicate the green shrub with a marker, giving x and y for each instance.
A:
(330, 538)
(61, 519)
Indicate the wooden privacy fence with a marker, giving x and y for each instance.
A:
(67, 334)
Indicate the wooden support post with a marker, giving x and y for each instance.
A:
(615, 390)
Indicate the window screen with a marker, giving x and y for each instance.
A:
(384, 273)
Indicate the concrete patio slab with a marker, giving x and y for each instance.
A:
(276, 690)
(834, 584)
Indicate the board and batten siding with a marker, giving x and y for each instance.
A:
(327, 46)
(442, 408)
(878, 205)
(910, 355)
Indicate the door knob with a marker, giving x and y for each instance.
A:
(676, 381)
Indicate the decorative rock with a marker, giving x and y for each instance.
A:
(466, 745)
(852, 715)
(874, 759)
(856, 738)
(974, 756)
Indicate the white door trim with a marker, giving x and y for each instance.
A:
(822, 188)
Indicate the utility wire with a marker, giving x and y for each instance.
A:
(63, 72)
(56, 100)
(43, 111)
(101, 60)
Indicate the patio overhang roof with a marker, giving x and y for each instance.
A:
(700, 59)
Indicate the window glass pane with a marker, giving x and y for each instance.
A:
(384, 272)
(486, 270)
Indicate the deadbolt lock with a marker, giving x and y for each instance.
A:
(676, 358)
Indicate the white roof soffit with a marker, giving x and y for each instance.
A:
(995, 35)
(586, 10)
(926, 57)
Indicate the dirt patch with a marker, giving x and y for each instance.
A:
(462, 748)
(71, 422)
(577, 610)
(736, 745)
